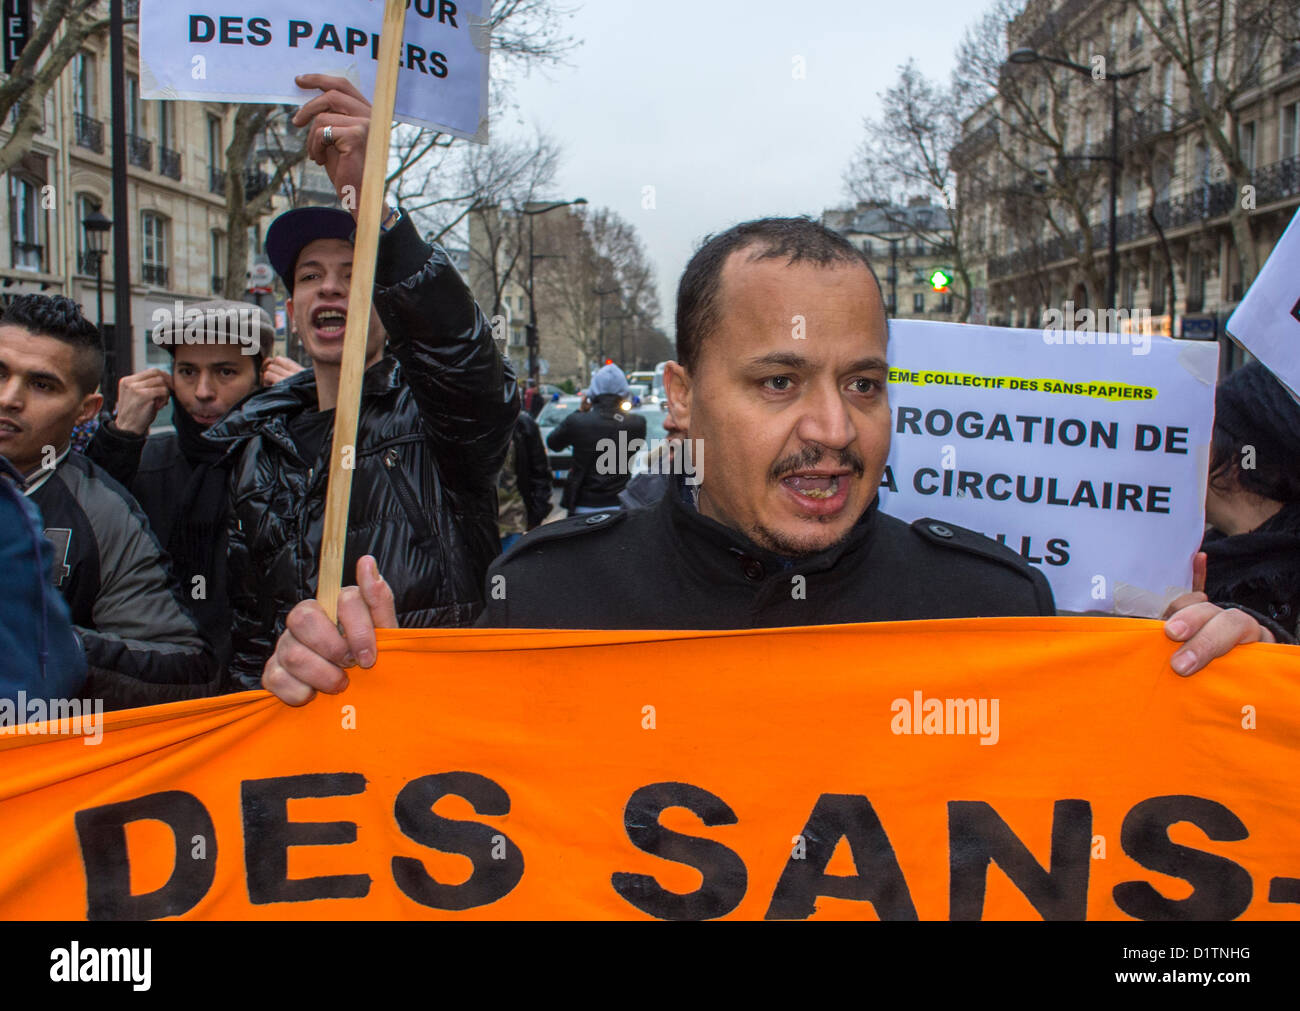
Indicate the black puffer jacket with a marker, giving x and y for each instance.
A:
(436, 418)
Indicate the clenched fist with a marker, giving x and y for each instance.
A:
(139, 399)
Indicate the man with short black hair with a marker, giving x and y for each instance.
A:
(139, 638)
(783, 527)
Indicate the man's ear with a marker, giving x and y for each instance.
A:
(678, 390)
(90, 406)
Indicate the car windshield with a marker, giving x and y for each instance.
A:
(556, 411)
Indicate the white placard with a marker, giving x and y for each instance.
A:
(1267, 322)
(243, 51)
(1089, 460)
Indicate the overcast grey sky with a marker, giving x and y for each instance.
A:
(699, 100)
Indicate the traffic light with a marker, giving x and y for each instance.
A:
(940, 279)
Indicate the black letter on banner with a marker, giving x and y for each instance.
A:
(977, 836)
(1221, 889)
(268, 834)
(879, 880)
(198, 21)
(725, 877)
(102, 834)
(492, 879)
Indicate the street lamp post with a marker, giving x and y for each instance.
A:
(533, 341)
(1025, 56)
(96, 227)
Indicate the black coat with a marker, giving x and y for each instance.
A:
(532, 469)
(156, 471)
(667, 566)
(435, 421)
(589, 433)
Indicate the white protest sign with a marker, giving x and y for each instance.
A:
(1267, 322)
(1089, 460)
(245, 51)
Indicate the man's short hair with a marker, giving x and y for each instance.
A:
(59, 317)
(795, 240)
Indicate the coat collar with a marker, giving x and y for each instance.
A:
(723, 551)
(269, 410)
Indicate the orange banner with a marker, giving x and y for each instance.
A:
(1015, 768)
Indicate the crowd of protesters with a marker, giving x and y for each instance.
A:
(157, 567)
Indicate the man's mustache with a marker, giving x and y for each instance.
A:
(811, 456)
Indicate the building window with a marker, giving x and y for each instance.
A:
(866, 246)
(1246, 145)
(216, 156)
(27, 221)
(1195, 283)
(1289, 134)
(218, 243)
(89, 130)
(166, 124)
(153, 248)
(945, 303)
(86, 203)
(86, 85)
(918, 302)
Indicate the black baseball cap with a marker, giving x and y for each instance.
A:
(293, 230)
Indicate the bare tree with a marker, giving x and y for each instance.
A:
(261, 131)
(596, 272)
(906, 152)
(39, 66)
(1220, 50)
(526, 35)
(1048, 185)
(496, 184)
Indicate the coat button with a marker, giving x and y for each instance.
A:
(753, 568)
(939, 530)
(598, 518)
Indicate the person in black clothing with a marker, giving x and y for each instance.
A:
(218, 349)
(784, 527)
(438, 406)
(524, 483)
(141, 643)
(1252, 501)
(600, 437)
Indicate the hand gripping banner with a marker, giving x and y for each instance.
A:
(1011, 768)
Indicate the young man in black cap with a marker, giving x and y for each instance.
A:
(437, 412)
(218, 349)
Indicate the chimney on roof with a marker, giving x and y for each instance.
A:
(918, 201)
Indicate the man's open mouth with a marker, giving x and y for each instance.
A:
(329, 322)
(8, 426)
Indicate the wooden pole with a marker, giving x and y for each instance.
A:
(370, 204)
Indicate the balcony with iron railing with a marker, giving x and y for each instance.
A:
(169, 163)
(139, 151)
(154, 273)
(28, 255)
(89, 131)
(1273, 183)
(217, 181)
